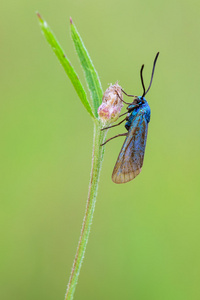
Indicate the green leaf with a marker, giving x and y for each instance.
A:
(51, 39)
(92, 77)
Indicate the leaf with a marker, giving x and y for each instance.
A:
(91, 75)
(51, 39)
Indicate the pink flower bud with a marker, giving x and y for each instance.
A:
(111, 106)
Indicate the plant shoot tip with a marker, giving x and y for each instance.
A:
(39, 15)
(70, 19)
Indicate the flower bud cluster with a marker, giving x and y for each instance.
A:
(111, 106)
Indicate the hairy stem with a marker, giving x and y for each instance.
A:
(97, 157)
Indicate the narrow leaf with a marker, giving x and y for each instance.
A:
(91, 75)
(51, 39)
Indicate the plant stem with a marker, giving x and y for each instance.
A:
(97, 158)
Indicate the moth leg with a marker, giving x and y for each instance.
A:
(123, 114)
(121, 134)
(122, 99)
(115, 124)
(127, 94)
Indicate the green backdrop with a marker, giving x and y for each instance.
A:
(145, 238)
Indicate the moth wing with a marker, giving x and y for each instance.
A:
(130, 160)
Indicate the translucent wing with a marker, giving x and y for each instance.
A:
(130, 159)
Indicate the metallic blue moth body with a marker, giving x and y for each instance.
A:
(131, 156)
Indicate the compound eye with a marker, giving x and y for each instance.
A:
(136, 101)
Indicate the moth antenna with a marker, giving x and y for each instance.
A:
(154, 64)
(142, 80)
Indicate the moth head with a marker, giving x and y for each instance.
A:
(139, 100)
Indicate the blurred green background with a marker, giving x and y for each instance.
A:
(145, 238)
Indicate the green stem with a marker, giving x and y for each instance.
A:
(97, 158)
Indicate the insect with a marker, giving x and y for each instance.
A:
(130, 160)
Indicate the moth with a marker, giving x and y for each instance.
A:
(130, 160)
